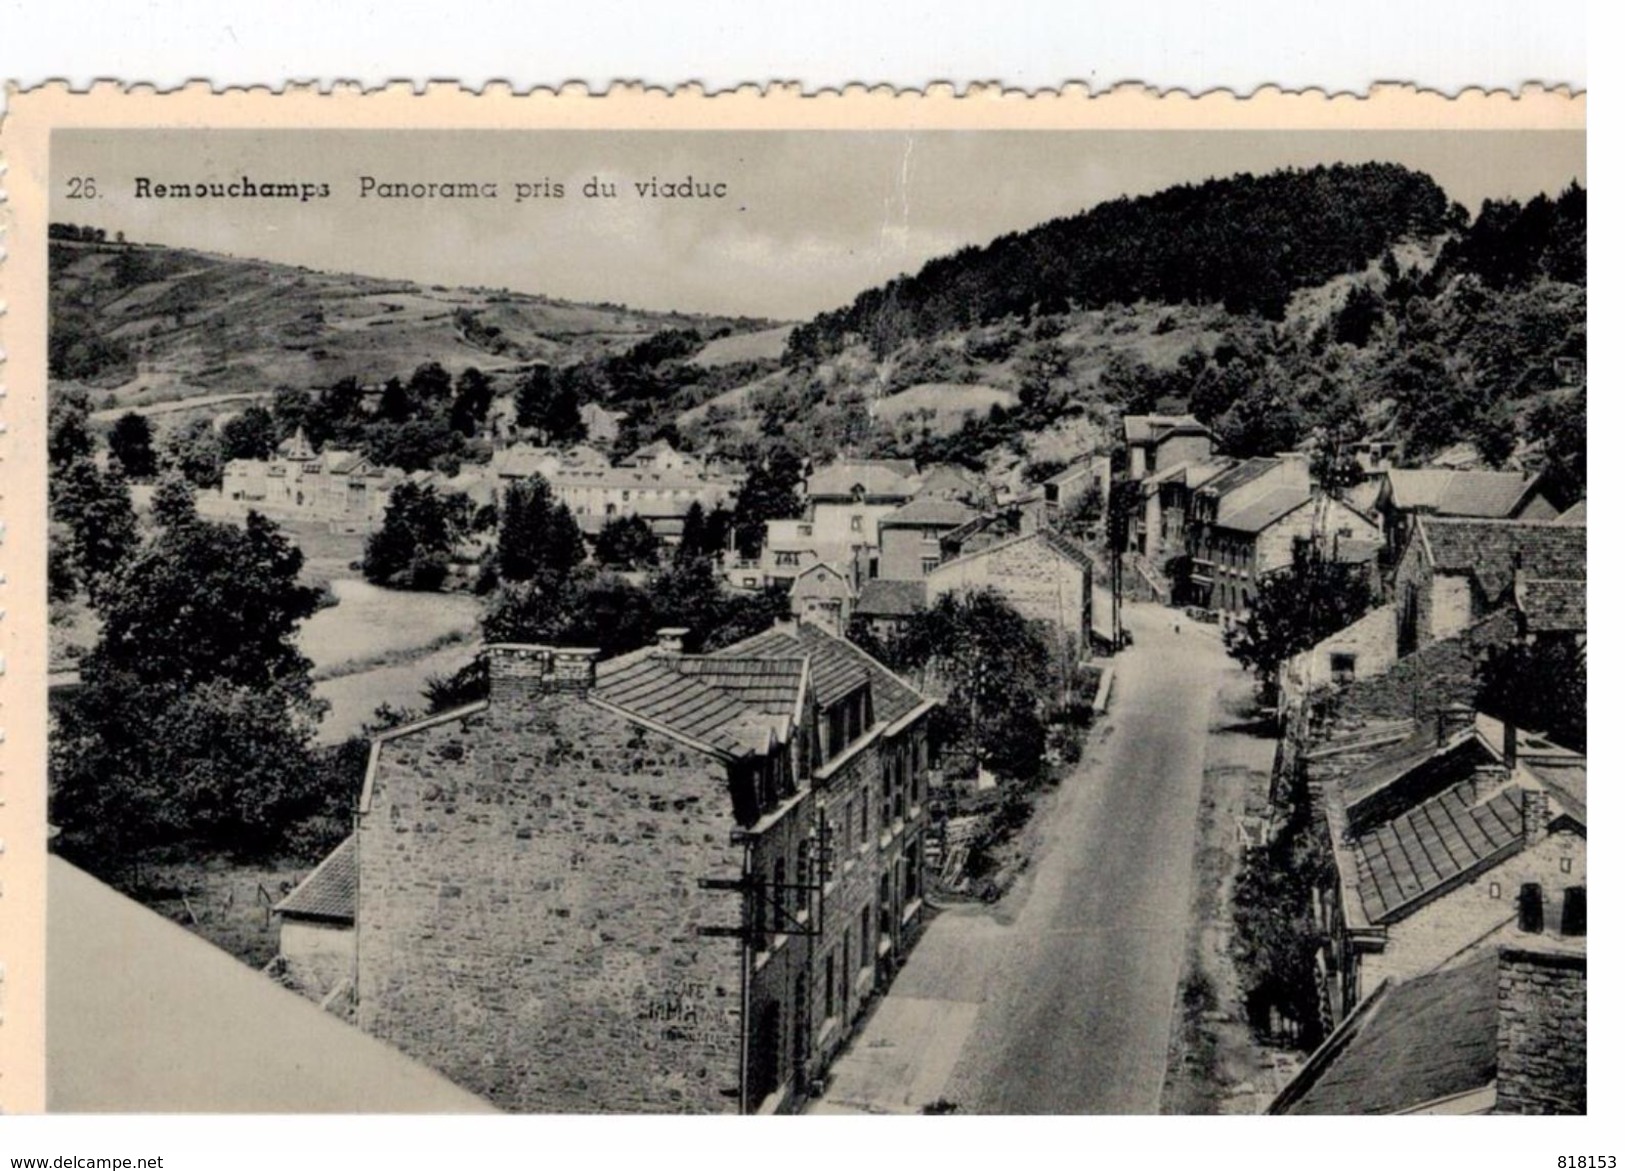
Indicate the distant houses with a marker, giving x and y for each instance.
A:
(340, 487)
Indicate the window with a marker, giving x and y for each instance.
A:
(829, 985)
(847, 830)
(1342, 667)
(846, 968)
(1531, 908)
(1574, 911)
(863, 939)
(863, 817)
(929, 564)
(857, 524)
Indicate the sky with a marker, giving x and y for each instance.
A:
(809, 219)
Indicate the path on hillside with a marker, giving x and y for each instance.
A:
(1060, 999)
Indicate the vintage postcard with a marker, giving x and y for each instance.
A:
(772, 603)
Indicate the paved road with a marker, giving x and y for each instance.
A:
(1060, 1000)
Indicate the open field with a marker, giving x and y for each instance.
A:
(948, 403)
(371, 623)
(355, 697)
(744, 347)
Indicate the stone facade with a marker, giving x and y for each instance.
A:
(1541, 1043)
(591, 894)
(1041, 581)
(528, 910)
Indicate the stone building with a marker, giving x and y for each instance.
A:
(1445, 841)
(664, 882)
(1044, 575)
(1454, 572)
(1160, 441)
(1404, 494)
(820, 594)
(910, 538)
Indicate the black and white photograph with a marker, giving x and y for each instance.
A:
(883, 622)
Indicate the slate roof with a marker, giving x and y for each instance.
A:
(1265, 511)
(878, 477)
(1493, 550)
(1407, 1045)
(928, 513)
(662, 689)
(769, 685)
(1430, 847)
(1068, 547)
(1401, 760)
(1448, 492)
(884, 598)
(328, 892)
(1551, 605)
(837, 668)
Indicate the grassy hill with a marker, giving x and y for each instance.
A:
(144, 324)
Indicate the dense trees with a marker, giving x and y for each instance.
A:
(772, 490)
(1245, 241)
(412, 547)
(250, 435)
(195, 714)
(1542, 687)
(1296, 608)
(536, 533)
(993, 666)
(627, 542)
(130, 442)
(194, 451)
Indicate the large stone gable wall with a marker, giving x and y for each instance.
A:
(528, 906)
(1038, 582)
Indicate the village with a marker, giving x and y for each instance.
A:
(1105, 688)
(787, 802)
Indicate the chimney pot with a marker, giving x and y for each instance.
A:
(1454, 719)
(521, 672)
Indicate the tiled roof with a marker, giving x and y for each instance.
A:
(837, 668)
(328, 892)
(884, 598)
(1493, 550)
(658, 688)
(768, 685)
(1260, 514)
(877, 477)
(928, 513)
(1458, 493)
(1574, 515)
(1410, 1044)
(1431, 846)
(1551, 605)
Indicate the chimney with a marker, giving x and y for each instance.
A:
(1540, 1052)
(1536, 815)
(1509, 744)
(521, 673)
(670, 639)
(1453, 720)
(1487, 780)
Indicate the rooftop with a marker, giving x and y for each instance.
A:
(884, 598)
(893, 478)
(1574, 515)
(1240, 475)
(1493, 550)
(328, 892)
(733, 707)
(1406, 1046)
(1260, 514)
(1551, 605)
(837, 667)
(1150, 428)
(1449, 492)
(928, 513)
(1429, 848)
(186, 1028)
